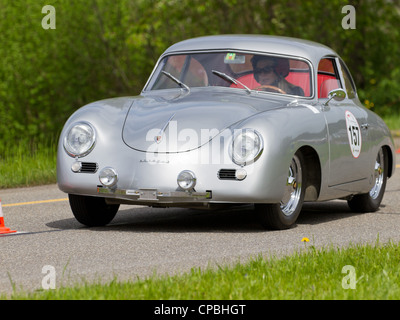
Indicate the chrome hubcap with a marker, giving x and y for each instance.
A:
(378, 176)
(292, 192)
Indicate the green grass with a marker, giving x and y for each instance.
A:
(310, 274)
(24, 164)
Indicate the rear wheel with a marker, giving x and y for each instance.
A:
(284, 214)
(92, 211)
(370, 202)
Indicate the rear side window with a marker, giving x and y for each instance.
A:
(328, 77)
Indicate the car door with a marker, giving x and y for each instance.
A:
(347, 127)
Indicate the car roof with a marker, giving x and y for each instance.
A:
(310, 50)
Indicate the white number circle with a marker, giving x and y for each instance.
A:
(354, 134)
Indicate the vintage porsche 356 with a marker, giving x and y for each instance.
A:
(231, 119)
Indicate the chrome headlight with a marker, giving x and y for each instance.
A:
(80, 139)
(246, 147)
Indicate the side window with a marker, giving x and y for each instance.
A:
(328, 77)
(348, 81)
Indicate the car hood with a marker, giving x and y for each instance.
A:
(171, 122)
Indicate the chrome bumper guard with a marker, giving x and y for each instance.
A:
(154, 195)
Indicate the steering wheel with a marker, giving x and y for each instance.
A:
(270, 88)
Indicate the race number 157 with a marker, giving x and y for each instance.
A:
(355, 133)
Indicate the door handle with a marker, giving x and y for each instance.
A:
(365, 126)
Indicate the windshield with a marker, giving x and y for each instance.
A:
(233, 69)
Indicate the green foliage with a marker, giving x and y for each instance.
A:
(104, 48)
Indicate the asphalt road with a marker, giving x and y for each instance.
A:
(141, 240)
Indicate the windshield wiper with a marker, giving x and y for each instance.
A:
(229, 78)
(181, 84)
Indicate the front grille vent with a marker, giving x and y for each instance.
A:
(89, 167)
(227, 174)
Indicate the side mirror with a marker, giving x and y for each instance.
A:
(336, 94)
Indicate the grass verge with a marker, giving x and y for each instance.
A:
(26, 164)
(309, 274)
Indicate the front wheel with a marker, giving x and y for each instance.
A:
(370, 202)
(92, 211)
(283, 215)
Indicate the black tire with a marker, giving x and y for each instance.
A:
(283, 215)
(92, 211)
(370, 202)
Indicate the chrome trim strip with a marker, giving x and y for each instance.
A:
(155, 195)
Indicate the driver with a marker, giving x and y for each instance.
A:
(265, 74)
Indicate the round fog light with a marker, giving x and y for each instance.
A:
(108, 177)
(240, 174)
(186, 180)
(76, 166)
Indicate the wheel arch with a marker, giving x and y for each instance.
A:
(312, 169)
(389, 153)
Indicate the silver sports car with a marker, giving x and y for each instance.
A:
(235, 119)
